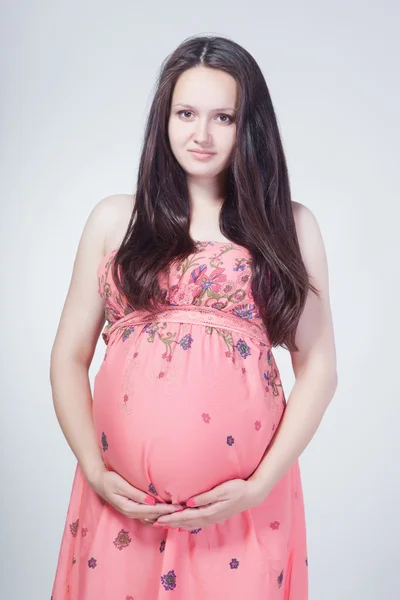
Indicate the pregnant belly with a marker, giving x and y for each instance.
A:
(178, 424)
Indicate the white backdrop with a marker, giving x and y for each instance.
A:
(76, 83)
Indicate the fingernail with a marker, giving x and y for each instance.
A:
(191, 502)
(150, 500)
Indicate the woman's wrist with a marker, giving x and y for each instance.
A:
(92, 471)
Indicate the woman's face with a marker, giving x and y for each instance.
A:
(202, 117)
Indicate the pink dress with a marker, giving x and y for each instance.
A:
(181, 403)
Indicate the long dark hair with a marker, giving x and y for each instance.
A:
(257, 210)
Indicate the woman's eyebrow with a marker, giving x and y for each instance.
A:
(192, 107)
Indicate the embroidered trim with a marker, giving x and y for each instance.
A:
(199, 315)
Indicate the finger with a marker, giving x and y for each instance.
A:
(179, 519)
(147, 521)
(144, 511)
(129, 491)
(135, 495)
(189, 514)
(204, 499)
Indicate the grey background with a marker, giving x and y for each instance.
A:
(76, 83)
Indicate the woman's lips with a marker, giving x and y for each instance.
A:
(201, 155)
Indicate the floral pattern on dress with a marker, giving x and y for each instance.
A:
(202, 279)
(74, 528)
(169, 580)
(122, 540)
(216, 276)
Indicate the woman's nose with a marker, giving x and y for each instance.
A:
(202, 134)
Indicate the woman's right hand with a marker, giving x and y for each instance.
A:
(127, 499)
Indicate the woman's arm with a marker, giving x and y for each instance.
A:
(79, 328)
(314, 364)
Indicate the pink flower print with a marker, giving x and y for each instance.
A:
(126, 397)
(238, 296)
(218, 305)
(122, 540)
(84, 531)
(129, 598)
(206, 417)
(257, 425)
(74, 528)
(211, 282)
(161, 374)
(275, 525)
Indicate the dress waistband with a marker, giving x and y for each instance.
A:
(199, 315)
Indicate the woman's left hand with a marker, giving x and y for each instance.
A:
(215, 506)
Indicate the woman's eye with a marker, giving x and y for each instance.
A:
(181, 112)
(229, 117)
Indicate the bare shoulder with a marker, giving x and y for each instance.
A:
(303, 216)
(310, 239)
(115, 211)
(83, 314)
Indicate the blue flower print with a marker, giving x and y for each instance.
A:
(243, 348)
(152, 489)
(280, 578)
(104, 442)
(169, 581)
(127, 332)
(186, 341)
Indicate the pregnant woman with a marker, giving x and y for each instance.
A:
(187, 484)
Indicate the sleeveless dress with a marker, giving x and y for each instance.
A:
(181, 403)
